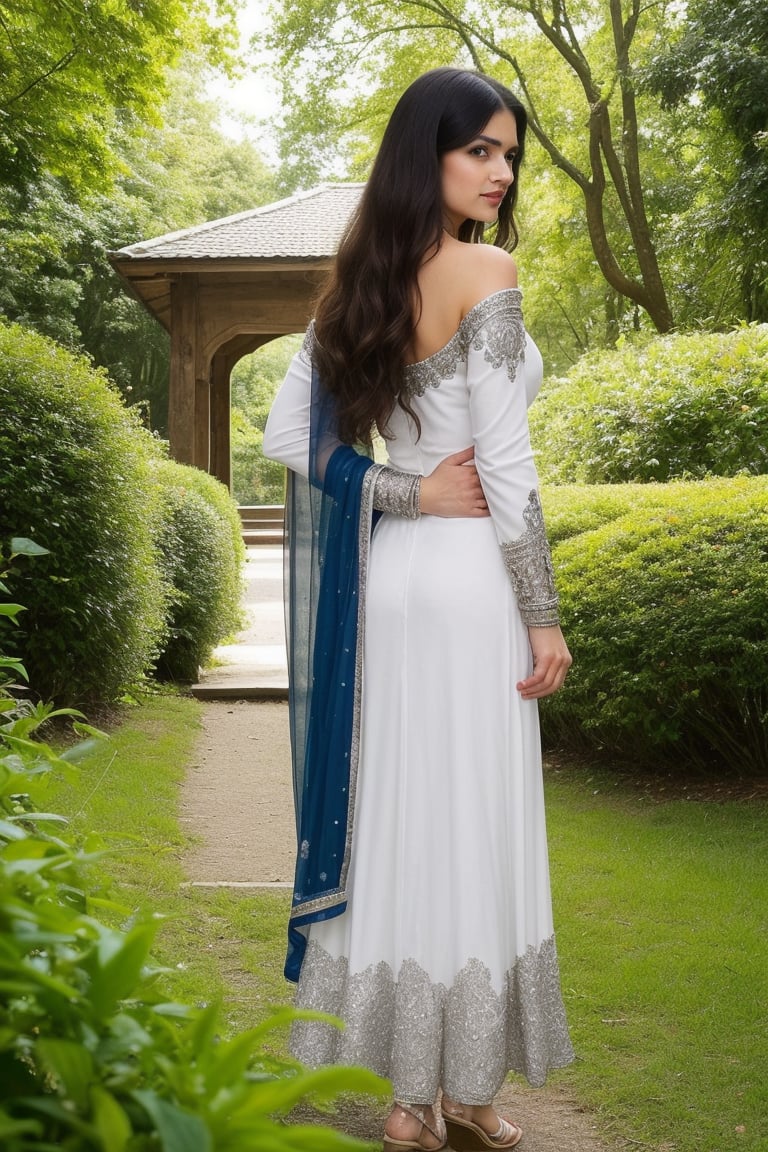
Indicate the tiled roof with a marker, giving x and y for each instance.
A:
(306, 226)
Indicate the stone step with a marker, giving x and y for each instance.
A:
(262, 512)
(254, 524)
(256, 536)
(262, 523)
(235, 690)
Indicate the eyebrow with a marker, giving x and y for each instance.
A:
(490, 140)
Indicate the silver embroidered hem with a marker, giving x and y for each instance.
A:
(529, 565)
(424, 1036)
(398, 492)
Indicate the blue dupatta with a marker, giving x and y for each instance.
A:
(329, 519)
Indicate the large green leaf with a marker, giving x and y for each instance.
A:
(116, 964)
(21, 546)
(111, 1121)
(50, 1106)
(11, 610)
(71, 1064)
(10, 1127)
(179, 1131)
(279, 1096)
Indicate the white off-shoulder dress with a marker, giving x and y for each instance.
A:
(444, 967)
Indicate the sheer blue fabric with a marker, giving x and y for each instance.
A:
(328, 524)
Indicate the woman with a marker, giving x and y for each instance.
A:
(422, 912)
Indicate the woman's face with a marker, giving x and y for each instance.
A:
(475, 178)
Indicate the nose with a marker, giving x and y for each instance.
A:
(502, 172)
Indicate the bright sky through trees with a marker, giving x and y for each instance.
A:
(248, 102)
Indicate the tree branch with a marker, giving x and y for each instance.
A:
(10, 40)
(569, 49)
(57, 67)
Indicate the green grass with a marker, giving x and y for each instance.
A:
(661, 917)
(218, 944)
(663, 938)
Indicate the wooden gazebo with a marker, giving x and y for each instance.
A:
(223, 289)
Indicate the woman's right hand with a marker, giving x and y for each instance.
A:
(454, 488)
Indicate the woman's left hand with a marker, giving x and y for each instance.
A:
(551, 661)
(454, 488)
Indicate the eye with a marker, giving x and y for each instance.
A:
(478, 150)
(511, 157)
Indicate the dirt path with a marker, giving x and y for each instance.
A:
(238, 797)
(237, 801)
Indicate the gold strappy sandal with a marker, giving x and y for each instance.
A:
(466, 1136)
(419, 1113)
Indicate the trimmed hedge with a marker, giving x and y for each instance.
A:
(664, 592)
(145, 555)
(202, 552)
(75, 476)
(678, 407)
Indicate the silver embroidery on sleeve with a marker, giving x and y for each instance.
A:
(423, 1035)
(529, 564)
(308, 347)
(496, 322)
(397, 492)
(502, 338)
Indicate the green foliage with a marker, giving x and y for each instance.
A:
(255, 479)
(71, 76)
(664, 592)
(678, 406)
(721, 56)
(255, 380)
(661, 176)
(55, 274)
(185, 170)
(92, 1056)
(75, 476)
(202, 552)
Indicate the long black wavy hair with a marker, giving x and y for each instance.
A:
(364, 320)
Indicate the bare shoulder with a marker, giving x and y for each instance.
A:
(485, 270)
(457, 278)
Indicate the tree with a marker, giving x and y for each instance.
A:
(75, 76)
(55, 275)
(184, 170)
(719, 62)
(575, 65)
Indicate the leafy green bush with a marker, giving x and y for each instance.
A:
(201, 555)
(92, 1056)
(75, 475)
(676, 407)
(255, 381)
(664, 592)
(255, 479)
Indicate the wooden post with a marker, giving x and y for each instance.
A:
(182, 391)
(202, 457)
(221, 451)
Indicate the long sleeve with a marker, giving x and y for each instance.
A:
(287, 436)
(504, 457)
